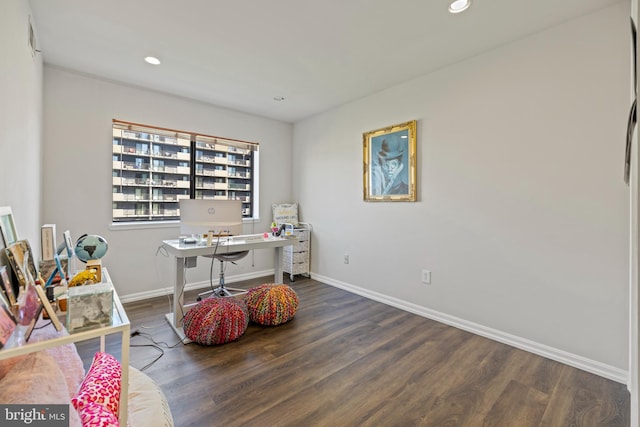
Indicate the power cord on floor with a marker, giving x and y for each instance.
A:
(154, 360)
(156, 345)
(150, 338)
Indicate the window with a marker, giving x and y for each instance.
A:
(153, 168)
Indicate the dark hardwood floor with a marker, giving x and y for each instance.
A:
(348, 361)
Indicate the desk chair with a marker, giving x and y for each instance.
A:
(221, 290)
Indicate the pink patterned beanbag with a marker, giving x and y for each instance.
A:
(101, 385)
(271, 304)
(216, 321)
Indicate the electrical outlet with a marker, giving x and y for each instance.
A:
(346, 258)
(426, 277)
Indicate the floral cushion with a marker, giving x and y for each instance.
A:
(102, 384)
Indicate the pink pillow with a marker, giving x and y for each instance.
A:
(36, 379)
(6, 365)
(95, 415)
(102, 384)
(66, 355)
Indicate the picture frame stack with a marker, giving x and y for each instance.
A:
(18, 273)
(7, 318)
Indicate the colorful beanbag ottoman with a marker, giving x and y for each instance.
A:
(271, 304)
(216, 321)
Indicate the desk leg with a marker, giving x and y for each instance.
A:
(175, 318)
(178, 296)
(277, 268)
(124, 362)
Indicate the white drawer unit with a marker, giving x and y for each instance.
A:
(296, 258)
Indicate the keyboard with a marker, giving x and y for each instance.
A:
(247, 238)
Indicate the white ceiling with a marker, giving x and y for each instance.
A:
(317, 54)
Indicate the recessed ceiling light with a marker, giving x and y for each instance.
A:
(458, 6)
(278, 98)
(152, 60)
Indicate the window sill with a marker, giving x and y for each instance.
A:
(122, 226)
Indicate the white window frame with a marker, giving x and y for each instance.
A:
(218, 146)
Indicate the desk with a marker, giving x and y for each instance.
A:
(182, 251)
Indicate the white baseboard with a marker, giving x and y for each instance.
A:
(592, 366)
(138, 296)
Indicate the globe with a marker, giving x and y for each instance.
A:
(90, 246)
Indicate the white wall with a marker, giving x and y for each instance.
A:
(20, 121)
(77, 188)
(633, 252)
(522, 214)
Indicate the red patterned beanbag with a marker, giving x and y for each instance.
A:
(216, 321)
(271, 304)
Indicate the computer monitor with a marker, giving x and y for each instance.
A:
(222, 217)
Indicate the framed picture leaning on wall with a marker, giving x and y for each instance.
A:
(8, 289)
(7, 226)
(389, 160)
(7, 324)
(16, 253)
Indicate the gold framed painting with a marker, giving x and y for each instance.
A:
(389, 158)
